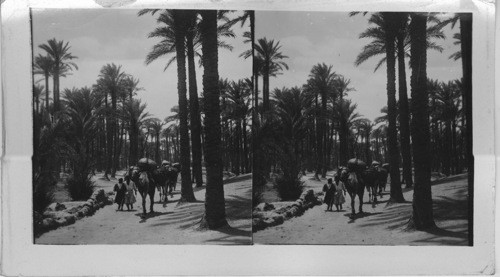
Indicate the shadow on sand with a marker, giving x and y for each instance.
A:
(359, 215)
(450, 210)
(146, 216)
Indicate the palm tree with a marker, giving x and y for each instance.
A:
(378, 47)
(271, 57)
(37, 92)
(62, 62)
(404, 116)
(292, 107)
(389, 22)
(466, 49)
(250, 15)
(192, 43)
(44, 65)
(379, 135)
(342, 87)
(422, 217)
(130, 86)
(111, 81)
(446, 108)
(321, 82)
(155, 126)
(180, 29)
(237, 107)
(135, 112)
(83, 110)
(215, 213)
(365, 127)
(345, 113)
(458, 41)
(194, 106)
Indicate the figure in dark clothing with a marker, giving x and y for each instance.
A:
(120, 190)
(329, 190)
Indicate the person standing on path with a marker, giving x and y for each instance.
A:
(339, 194)
(329, 191)
(120, 190)
(131, 193)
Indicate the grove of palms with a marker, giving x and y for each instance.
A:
(317, 128)
(106, 128)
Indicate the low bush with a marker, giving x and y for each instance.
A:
(289, 189)
(80, 189)
(43, 194)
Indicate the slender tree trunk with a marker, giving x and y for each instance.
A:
(392, 137)
(255, 160)
(466, 48)
(157, 152)
(245, 147)
(265, 90)
(367, 148)
(422, 217)
(187, 193)
(134, 141)
(455, 161)
(215, 210)
(194, 105)
(47, 91)
(120, 142)
(319, 140)
(324, 132)
(109, 140)
(114, 132)
(447, 148)
(56, 87)
(404, 117)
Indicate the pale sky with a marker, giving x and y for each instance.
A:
(101, 36)
(309, 38)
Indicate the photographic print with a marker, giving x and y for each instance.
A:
(141, 126)
(365, 128)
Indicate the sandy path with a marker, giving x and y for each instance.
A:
(168, 225)
(379, 225)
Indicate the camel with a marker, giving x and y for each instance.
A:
(354, 186)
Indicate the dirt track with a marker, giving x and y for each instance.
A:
(168, 225)
(379, 224)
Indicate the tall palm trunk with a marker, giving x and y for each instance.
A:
(56, 86)
(157, 152)
(245, 147)
(319, 137)
(215, 208)
(120, 142)
(237, 152)
(255, 77)
(343, 142)
(392, 136)
(187, 193)
(265, 87)
(109, 139)
(324, 133)
(466, 49)
(134, 141)
(367, 148)
(114, 132)
(47, 91)
(404, 117)
(193, 104)
(454, 154)
(422, 217)
(447, 148)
